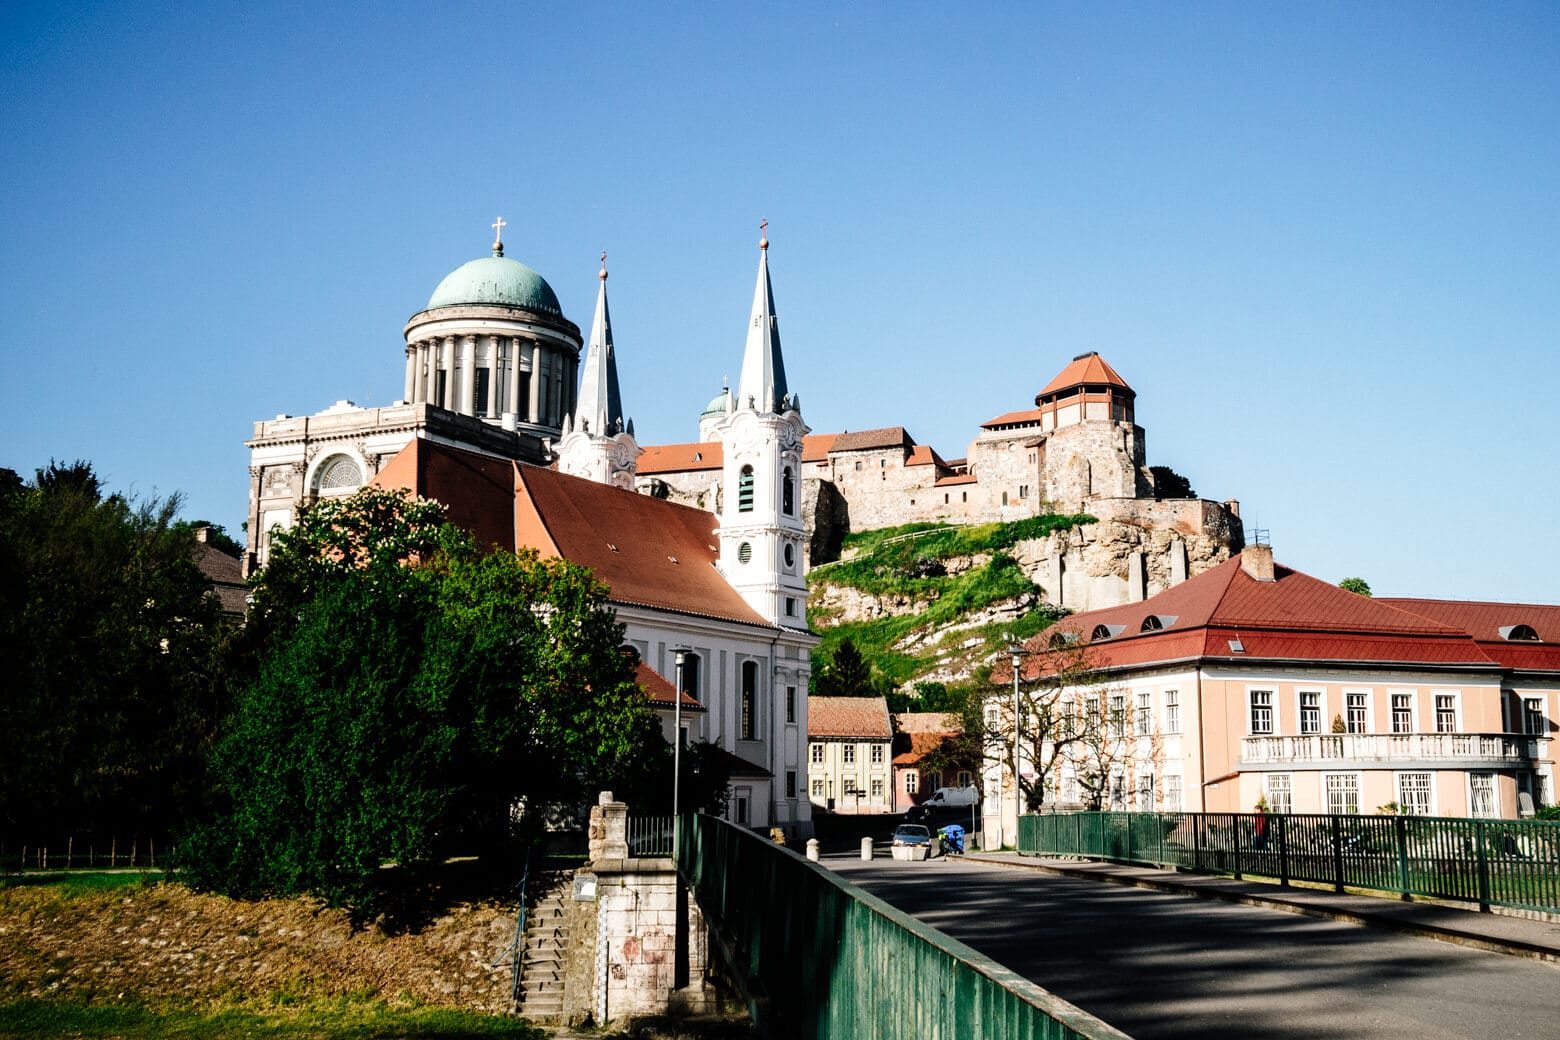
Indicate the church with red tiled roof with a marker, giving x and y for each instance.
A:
(1254, 682)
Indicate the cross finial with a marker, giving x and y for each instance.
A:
(603, 265)
(498, 235)
(763, 228)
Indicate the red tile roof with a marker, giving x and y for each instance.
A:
(659, 689)
(957, 478)
(680, 458)
(848, 717)
(816, 446)
(649, 552)
(1027, 417)
(866, 440)
(1484, 621)
(928, 722)
(1089, 368)
(1294, 617)
(920, 745)
(923, 455)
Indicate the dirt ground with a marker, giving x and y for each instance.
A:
(162, 944)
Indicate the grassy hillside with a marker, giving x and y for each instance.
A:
(940, 579)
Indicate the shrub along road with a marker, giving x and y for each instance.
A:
(1168, 966)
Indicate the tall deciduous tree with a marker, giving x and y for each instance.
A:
(111, 641)
(410, 692)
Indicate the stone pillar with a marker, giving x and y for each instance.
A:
(426, 363)
(536, 384)
(495, 379)
(512, 396)
(447, 347)
(1136, 579)
(466, 357)
(411, 372)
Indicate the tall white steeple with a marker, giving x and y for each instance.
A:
(761, 530)
(598, 441)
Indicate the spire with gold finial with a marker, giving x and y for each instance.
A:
(498, 235)
(600, 401)
(762, 384)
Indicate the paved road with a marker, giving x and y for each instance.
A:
(1162, 965)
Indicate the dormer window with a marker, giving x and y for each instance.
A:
(1519, 633)
(1063, 639)
(1158, 622)
(1106, 632)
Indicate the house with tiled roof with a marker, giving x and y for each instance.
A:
(917, 775)
(1256, 682)
(849, 741)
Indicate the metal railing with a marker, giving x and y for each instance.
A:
(649, 835)
(1490, 862)
(819, 959)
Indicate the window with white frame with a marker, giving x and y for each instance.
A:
(1310, 711)
(817, 754)
(1172, 711)
(1358, 705)
(1446, 713)
(1118, 714)
(1343, 794)
(1261, 711)
(1413, 793)
(1533, 720)
(848, 754)
(1145, 714)
(877, 789)
(1278, 789)
(817, 788)
(1145, 792)
(1173, 793)
(1118, 792)
(1402, 713)
(877, 754)
(965, 778)
(912, 781)
(1481, 795)
(1091, 711)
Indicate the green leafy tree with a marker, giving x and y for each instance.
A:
(846, 674)
(1356, 585)
(112, 645)
(1170, 484)
(411, 692)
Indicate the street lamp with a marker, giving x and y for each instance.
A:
(1016, 652)
(680, 654)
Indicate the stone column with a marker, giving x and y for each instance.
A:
(495, 379)
(536, 384)
(512, 398)
(425, 363)
(411, 372)
(447, 349)
(466, 352)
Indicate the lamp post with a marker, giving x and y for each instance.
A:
(680, 654)
(1016, 652)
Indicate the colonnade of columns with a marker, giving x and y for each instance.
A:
(523, 377)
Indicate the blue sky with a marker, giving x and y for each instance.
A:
(1321, 242)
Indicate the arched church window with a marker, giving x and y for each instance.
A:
(787, 492)
(745, 490)
(749, 700)
(339, 475)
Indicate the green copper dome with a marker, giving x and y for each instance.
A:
(496, 280)
(717, 405)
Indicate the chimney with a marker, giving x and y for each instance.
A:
(203, 533)
(1257, 562)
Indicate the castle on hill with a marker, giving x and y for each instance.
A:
(1078, 450)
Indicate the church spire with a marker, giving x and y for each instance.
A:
(763, 369)
(600, 402)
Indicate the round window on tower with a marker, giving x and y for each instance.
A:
(745, 552)
(790, 555)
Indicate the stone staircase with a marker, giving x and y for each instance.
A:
(542, 963)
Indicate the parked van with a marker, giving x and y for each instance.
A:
(948, 796)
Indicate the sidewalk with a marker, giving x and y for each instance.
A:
(1498, 933)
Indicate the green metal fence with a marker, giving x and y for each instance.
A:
(1490, 862)
(820, 959)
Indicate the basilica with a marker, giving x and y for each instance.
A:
(494, 425)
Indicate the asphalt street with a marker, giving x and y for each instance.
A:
(1163, 965)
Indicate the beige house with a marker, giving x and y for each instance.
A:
(1254, 682)
(849, 755)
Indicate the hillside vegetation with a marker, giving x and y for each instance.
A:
(944, 599)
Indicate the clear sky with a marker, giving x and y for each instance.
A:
(1321, 242)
